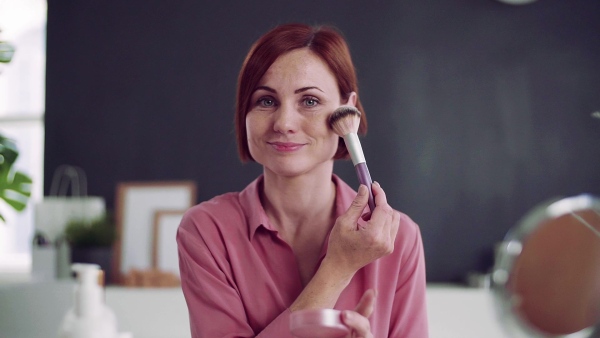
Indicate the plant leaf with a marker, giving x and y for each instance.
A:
(8, 153)
(15, 187)
(16, 190)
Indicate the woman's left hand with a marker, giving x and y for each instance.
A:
(358, 320)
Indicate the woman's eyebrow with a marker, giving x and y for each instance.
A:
(269, 89)
(299, 90)
(303, 89)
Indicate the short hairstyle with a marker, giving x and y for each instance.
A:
(325, 41)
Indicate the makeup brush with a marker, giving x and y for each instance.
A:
(345, 121)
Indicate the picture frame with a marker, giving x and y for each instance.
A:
(165, 256)
(135, 206)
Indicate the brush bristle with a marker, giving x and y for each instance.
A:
(345, 120)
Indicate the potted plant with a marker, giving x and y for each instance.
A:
(6, 52)
(15, 186)
(91, 241)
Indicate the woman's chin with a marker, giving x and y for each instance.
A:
(287, 172)
(296, 168)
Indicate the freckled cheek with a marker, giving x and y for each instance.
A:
(254, 147)
(327, 139)
(322, 130)
(256, 120)
(318, 124)
(248, 128)
(334, 143)
(254, 131)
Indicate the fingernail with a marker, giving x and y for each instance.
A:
(362, 190)
(377, 183)
(345, 314)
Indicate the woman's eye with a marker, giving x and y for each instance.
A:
(311, 101)
(266, 102)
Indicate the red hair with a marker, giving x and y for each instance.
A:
(325, 41)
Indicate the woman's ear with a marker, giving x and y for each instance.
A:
(352, 98)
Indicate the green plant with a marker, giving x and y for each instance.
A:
(6, 52)
(15, 186)
(95, 233)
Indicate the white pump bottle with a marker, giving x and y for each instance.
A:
(89, 317)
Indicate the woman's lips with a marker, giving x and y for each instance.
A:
(286, 146)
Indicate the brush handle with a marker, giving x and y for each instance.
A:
(354, 148)
(365, 178)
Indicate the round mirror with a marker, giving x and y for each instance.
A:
(546, 278)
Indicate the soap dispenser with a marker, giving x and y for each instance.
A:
(89, 317)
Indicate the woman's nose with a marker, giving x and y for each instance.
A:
(285, 120)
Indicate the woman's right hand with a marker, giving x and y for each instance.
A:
(355, 242)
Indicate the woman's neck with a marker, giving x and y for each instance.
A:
(299, 202)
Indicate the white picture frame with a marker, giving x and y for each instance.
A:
(135, 207)
(165, 256)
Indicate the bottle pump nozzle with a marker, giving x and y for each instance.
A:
(88, 294)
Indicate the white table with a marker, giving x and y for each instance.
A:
(35, 310)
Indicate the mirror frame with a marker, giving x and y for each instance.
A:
(510, 249)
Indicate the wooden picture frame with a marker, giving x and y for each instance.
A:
(135, 207)
(165, 256)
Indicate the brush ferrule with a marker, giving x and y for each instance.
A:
(354, 148)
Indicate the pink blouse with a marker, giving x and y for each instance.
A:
(239, 277)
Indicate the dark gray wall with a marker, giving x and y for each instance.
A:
(478, 110)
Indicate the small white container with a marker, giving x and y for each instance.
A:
(89, 317)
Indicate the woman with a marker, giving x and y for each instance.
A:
(298, 237)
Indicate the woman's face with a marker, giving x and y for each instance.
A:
(287, 124)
